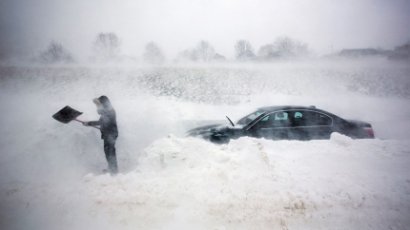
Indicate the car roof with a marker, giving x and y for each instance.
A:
(269, 109)
(282, 107)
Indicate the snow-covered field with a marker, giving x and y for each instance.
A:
(51, 173)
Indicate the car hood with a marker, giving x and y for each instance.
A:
(206, 130)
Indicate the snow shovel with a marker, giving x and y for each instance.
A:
(67, 114)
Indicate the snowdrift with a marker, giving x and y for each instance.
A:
(187, 183)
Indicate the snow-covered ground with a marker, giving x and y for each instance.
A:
(51, 173)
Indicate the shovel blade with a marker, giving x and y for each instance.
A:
(66, 114)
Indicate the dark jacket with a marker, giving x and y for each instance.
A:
(107, 121)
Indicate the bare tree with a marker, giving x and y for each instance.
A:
(106, 46)
(187, 55)
(153, 54)
(267, 52)
(244, 50)
(283, 47)
(287, 47)
(55, 53)
(204, 52)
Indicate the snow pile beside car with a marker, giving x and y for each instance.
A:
(259, 184)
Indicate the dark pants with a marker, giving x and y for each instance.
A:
(109, 149)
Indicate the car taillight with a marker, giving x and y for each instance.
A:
(369, 131)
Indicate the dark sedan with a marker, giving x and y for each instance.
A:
(285, 123)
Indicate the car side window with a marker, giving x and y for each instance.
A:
(323, 119)
(310, 118)
(298, 115)
(275, 120)
(298, 119)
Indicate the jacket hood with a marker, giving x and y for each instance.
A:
(103, 103)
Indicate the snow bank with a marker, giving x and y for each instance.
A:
(187, 183)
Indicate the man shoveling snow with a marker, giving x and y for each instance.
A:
(109, 132)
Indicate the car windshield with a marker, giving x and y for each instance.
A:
(249, 118)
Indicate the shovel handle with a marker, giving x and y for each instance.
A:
(82, 122)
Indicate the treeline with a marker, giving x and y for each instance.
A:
(107, 48)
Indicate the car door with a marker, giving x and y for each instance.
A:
(272, 126)
(308, 125)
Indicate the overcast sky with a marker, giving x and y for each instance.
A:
(27, 26)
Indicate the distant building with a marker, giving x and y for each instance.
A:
(357, 53)
(401, 52)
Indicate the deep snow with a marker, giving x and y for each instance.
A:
(51, 172)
